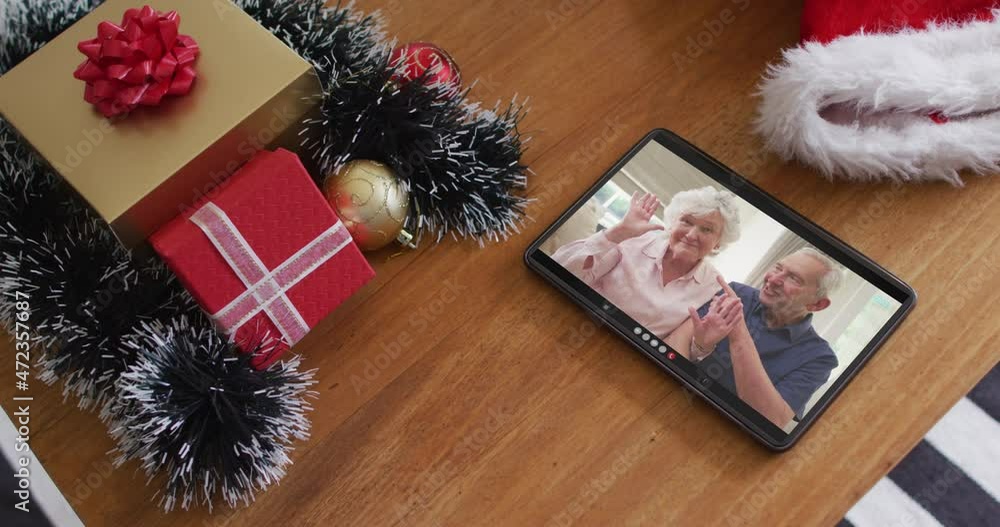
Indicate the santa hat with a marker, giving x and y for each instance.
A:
(905, 90)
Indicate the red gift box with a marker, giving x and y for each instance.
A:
(266, 257)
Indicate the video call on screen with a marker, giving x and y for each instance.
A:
(758, 309)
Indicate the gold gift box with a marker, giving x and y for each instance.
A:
(140, 171)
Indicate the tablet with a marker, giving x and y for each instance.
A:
(746, 302)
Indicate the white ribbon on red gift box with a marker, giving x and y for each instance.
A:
(266, 289)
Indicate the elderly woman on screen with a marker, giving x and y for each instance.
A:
(654, 273)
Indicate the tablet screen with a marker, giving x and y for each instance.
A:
(770, 317)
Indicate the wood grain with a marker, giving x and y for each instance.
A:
(459, 389)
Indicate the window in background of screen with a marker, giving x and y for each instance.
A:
(615, 202)
(875, 311)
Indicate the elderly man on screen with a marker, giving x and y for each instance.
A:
(760, 344)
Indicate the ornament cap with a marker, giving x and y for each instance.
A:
(405, 238)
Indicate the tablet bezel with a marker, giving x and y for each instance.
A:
(682, 369)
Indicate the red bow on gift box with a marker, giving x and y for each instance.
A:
(138, 62)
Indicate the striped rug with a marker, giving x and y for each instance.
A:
(951, 478)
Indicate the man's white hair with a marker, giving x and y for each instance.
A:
(702, 201)
(831, 279)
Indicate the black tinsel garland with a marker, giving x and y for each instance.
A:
(335, 40)
(92, 295)
(27, 26)
(458, 162)
(123, 336)
(195, 413)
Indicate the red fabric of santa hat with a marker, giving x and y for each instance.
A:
(905, 90)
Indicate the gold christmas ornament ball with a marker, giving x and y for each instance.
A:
(371, 201)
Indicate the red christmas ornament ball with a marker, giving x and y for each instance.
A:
(417, 58)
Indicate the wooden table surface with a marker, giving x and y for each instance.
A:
(459, 389)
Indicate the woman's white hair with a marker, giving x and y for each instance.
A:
(702, 201)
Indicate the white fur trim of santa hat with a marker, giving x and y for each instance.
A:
(895, 81)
